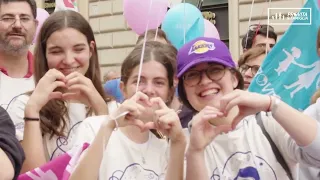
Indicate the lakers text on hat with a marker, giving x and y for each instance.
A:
(201, 47)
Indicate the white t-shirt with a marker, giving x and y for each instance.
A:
(123, 158)
(245, 153)
(10, 88)
(309, 173)
(57, 145)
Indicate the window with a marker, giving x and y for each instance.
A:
(219, 10)
(49, 5)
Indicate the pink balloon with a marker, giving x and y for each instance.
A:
(42, 15)
(136, 12)
(210, 30)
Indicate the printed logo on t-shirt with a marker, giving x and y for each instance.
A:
(242, 166)
(133, 172)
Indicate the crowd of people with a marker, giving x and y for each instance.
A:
(185, 114)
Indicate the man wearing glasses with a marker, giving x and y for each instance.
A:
(257, 36)
(17, 29)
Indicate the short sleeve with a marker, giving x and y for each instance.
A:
(88, 129)
(314, 110)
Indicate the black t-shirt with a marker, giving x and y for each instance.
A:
(9, 143)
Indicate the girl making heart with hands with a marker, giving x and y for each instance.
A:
(226, 140)
(123, 147)
(68, 89)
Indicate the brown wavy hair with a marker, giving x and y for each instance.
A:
(53, 114)
(251, 54)
(151, 36)
(164, 54)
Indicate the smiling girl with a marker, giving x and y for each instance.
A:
(226, 140)
(68, 89)
(124, 148)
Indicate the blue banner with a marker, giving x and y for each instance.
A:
(291, 70)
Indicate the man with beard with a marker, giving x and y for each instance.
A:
(17, 29)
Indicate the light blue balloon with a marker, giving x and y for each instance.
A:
(181, 18)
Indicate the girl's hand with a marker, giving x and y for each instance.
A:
(44, 91)
(81, 88)
(132, 108)
(202, 132)
(167, 121)
(248, 103)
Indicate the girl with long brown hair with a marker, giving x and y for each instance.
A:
(68, 89)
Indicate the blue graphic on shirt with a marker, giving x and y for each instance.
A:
(242, 166)
(133, 172)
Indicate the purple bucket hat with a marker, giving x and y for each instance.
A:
(202, 50)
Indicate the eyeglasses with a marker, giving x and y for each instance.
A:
(12, 20)
(244, 68)
(257, 27)
(194, 77)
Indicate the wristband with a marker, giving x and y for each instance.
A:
(270, 103)
(275, 105)
(115, 121)
(31, 119)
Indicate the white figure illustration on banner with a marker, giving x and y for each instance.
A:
(291, 57)
(49, 175)
(306, 79)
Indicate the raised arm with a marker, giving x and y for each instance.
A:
(301, 137)
(169, 124)
(89, 165)
(202, 134)
(32, 142)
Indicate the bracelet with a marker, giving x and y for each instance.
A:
(275, 105)
(115, 121)
(31, 119)
(117, 125)
(270, 103)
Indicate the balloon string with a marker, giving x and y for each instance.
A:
(143, 49)
(249, 23)
(141, 62)
(268, 31)
(184, 21)
(158, 21)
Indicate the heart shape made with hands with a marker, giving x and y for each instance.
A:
(156, 111)
(218, 118)
(72, 87)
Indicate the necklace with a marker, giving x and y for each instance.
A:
(143, 159)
